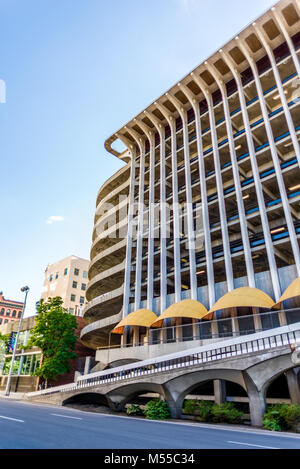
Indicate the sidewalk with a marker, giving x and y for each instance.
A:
(13, 395)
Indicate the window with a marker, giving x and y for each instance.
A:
(51, 278)
(8, 312)
(71, 310)
(2, 312)
(83, 286)
(76, 271)
(74, 285)
(73, 297)
(1, 320)
(85, 274)
(66, 271)
(5, 321)
(14, 313)
(56, 276)
(81, 300)
(19, 314)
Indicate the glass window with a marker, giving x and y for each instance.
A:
(71, 310)
(81, 300)
(73, 297)
(56, 276)
(19, 314)
(14, 313)
(5, 321)
(76, 271)
(66, 271)
(74, 285)
(2, 312)
(85, 274)
(1, 320)
(7, 312)
(51, 278)
(83, 286)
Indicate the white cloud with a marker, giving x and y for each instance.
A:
(54, 219)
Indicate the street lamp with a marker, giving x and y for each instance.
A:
(7, 391)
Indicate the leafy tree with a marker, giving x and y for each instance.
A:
(54, 334)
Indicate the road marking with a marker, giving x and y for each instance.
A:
(249, 444)
(10, 418)
(67, 416)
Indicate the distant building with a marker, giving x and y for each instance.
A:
(67, 278)
(9, 310)
(27, 361)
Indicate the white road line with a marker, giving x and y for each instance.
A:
(67, 417)
(10, 418)
(249, 444)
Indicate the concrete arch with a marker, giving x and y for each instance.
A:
(87, 398)
(177, 388)
(122, 395)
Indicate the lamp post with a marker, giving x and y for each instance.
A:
(7, 391)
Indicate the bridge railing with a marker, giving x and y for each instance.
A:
(237, 347)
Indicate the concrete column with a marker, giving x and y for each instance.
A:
(257, 320)
(291, 126)
(87, 365)
(189, 200)
(128, 262)
(220, 391)
(293, 378)
(178, 330)
(275, 159)
(139, 252)
(236, 177)
(136, 336)
(203, 194)
(234, 322)
(163, 211)
(282, 318)
(220, 190)
(257, 402)
(256, 176)
(257, 406)
(150, 269)
(214, 329)
(176, 231)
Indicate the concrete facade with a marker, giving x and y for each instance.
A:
(68, 279)
(208, 198)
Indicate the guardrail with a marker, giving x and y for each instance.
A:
(260, 342)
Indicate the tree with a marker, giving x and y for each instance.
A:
(54, 334)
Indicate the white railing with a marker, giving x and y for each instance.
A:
(237, 347)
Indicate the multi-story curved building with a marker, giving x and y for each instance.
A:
(212, 181)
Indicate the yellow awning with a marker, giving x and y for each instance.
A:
(141, 318)
(291, 292)
(184, 309)
(243, 297)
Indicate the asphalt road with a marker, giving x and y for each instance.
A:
(31, 426)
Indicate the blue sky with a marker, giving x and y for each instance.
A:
(75, 72)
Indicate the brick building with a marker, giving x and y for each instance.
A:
(9, 310)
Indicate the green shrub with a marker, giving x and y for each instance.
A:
(281, 417)
(226, 413)
(134, 409)
(190, 406)
(157, 410)
(204, 409)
